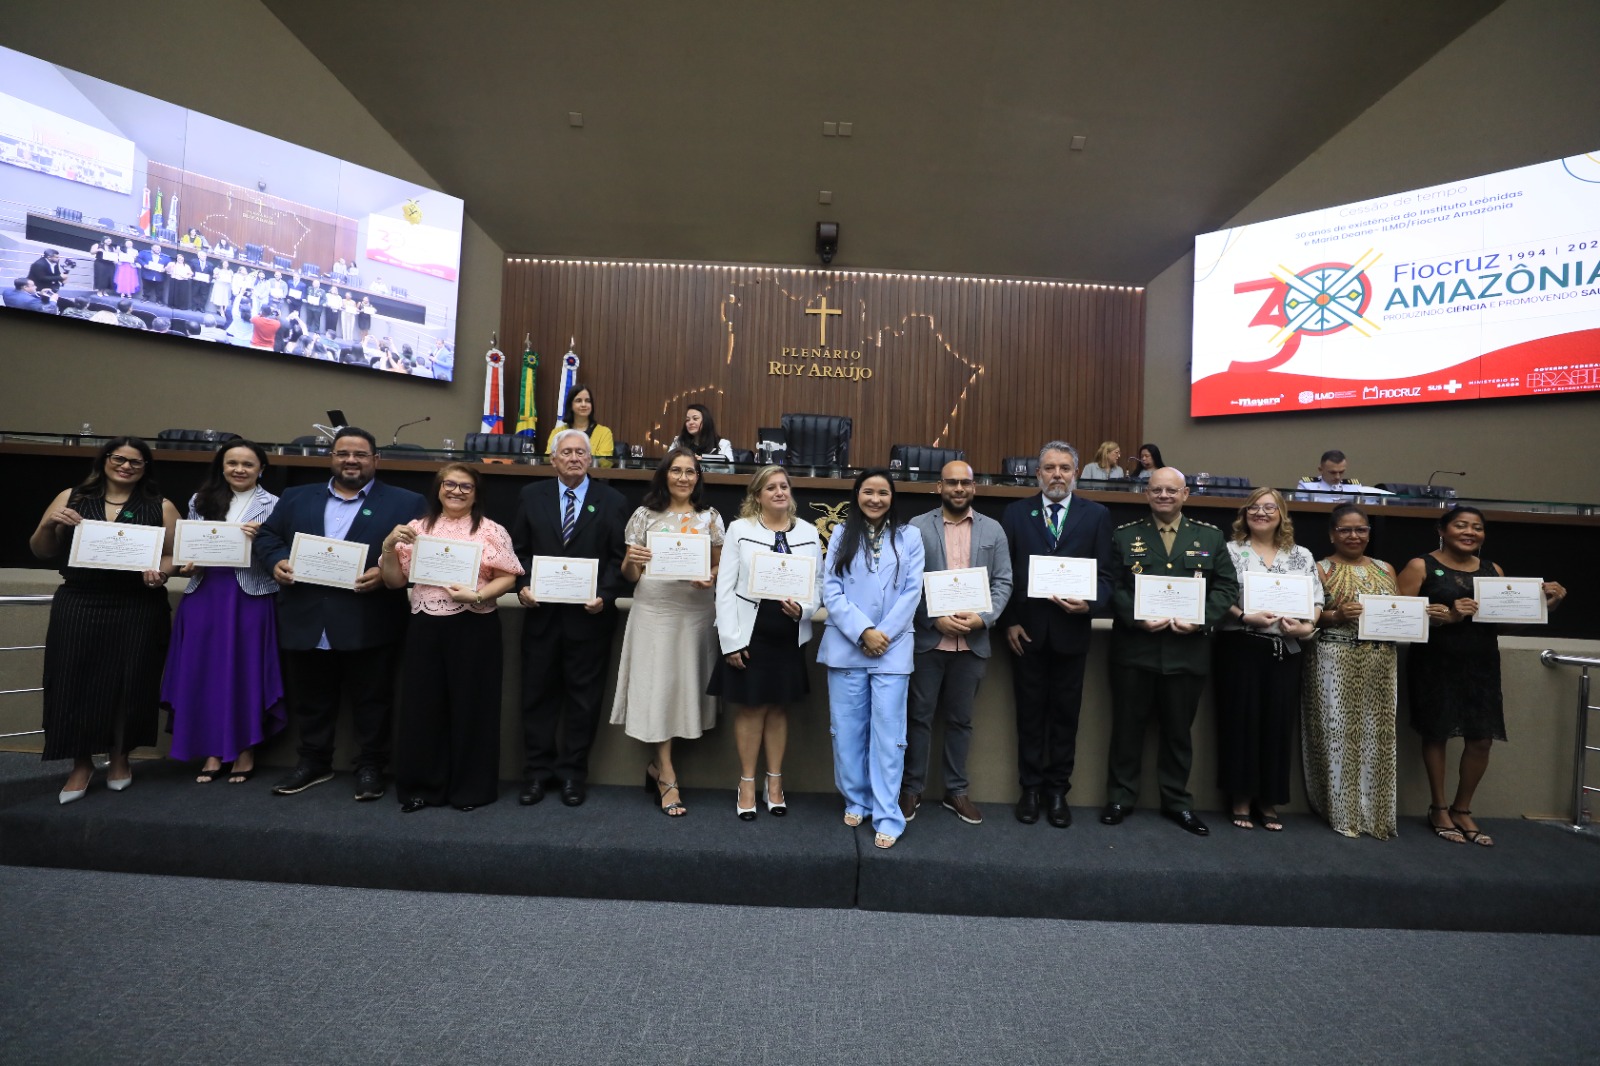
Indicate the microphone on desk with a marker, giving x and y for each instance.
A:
(1436, 473)
(415, 421)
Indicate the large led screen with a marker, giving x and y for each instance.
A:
(1477, 288)
(127, 211)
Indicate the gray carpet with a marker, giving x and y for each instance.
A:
(127, 968)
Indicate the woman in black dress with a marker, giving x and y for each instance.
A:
(108, 631)
(762, 666)
(1454, 678)
(105, 266)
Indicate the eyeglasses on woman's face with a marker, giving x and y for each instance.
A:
(465, 488)
(1262, 508)
(125, 461)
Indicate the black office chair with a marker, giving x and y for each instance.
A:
(108, 223)
(744, 455)
(1020, 468)
(816, 440)
(923, 457)
(495, 443)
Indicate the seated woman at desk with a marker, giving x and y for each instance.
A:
(699, 435)
(579, 415)
(1107, 463)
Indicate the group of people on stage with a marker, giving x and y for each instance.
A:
(250, 646)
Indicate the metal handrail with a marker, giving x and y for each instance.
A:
(1581, 748)
(23, 601)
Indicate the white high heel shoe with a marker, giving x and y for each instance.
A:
(746, 814)
(69, 795)
(780, 808)
(118, 784)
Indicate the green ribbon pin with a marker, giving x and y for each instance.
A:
(367, 511)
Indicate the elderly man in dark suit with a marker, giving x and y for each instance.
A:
(1050, 637)
(952, 651)
(566, 646)
(335, 639)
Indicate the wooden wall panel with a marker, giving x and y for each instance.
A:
(304, 234)
(991, 365)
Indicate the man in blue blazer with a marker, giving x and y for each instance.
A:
(1050, 637)
(336, 639)
(566, 647)
(952, 652)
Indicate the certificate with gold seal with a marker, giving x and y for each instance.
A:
(780, 576)
(679, 556)
(210, 543)
(1403, 619)
(1518, 600)
(957, 591)
(325, 561)
(115, 546)
(1064, 576)
(1157, 598)
(444, 561)
(1287, 595)
(560, 579)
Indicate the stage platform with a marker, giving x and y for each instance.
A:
(1537, 879)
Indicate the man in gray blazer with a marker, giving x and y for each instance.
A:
(951, 652)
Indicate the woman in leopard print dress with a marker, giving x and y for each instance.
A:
(1348, 734)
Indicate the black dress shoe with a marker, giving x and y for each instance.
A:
(412, 806)
(1189, 821)
(1113, 814)
(465, 806)
(1028, 806)
(301, 778)
(1060, 815)
(369, 783)
(572, 793)
(532, 793)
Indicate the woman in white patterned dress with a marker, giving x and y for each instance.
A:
(669, 646)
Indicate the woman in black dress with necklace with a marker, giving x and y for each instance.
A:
(108, 630)
(1454, 678)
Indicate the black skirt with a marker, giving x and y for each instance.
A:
(776, 669)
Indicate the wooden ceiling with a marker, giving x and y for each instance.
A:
(703, 122)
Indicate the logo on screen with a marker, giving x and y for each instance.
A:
(1319, 301)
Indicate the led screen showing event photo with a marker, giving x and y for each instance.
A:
(1472, 289)
(124, 210)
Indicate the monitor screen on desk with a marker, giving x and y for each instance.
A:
(132, 213)
(1478, 288)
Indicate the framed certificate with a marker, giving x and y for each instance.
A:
(679, 556)
(1058, 575)
(325, 561)
(211, 543)
(1517, 600)
(954, 591)
(1403, 619)
(114, 546)
(779, 576)
(443, 561)
(558, 579)
(1182, 599)
(1289, 595)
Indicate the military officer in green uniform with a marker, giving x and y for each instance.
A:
(1161, 666)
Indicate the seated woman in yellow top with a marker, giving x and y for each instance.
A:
(580, 415)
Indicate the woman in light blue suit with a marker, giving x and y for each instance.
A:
(871, 585)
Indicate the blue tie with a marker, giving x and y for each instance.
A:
(1055, 524)
(569, 518)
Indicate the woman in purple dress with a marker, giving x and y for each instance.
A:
(223, 684)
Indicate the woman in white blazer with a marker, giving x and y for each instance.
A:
(763, 667)
(871, 585)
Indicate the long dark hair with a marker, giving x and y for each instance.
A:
(658, 497)
(706, 440)
(436, 505)
(212, 498)
(566, 416)
(847, 539)
(95, 484)
(1155, 456)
